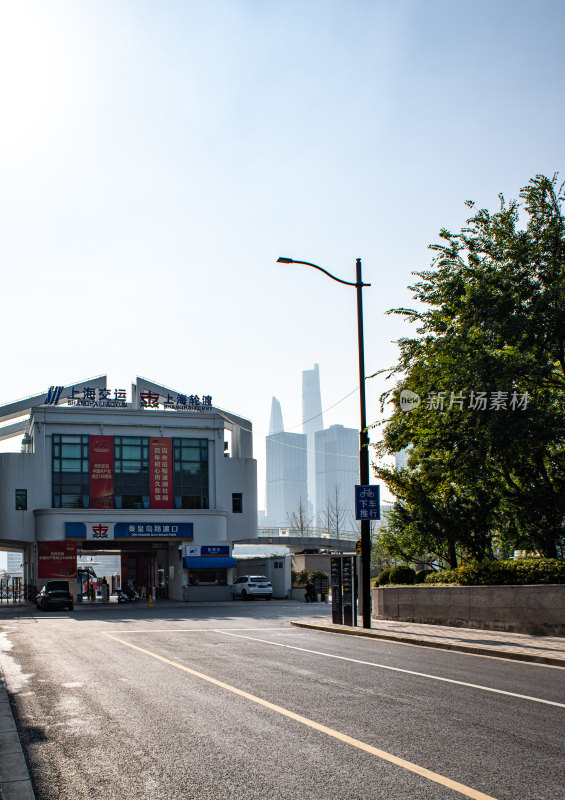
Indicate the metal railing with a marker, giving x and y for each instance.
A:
(310, 533)
(12, 591)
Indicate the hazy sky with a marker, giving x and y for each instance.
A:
(157, 156)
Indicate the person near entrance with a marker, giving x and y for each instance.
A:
(309, 596)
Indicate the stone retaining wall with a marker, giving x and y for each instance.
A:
(522, 609)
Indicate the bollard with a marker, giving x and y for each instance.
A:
(150, 599)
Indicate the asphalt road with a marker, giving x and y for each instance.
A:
(230, 701)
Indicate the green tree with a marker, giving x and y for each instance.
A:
(487, 441)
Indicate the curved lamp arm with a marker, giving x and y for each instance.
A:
(283, 260)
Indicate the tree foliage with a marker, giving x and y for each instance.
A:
(487, 441)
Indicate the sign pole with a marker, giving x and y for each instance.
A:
(363, 435)
(363, 459)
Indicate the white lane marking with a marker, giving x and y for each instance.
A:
(398, 669)
(184, 630)
(466, 791)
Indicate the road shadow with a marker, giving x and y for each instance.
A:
(173, 611)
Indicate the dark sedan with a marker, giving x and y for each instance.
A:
(55, 594)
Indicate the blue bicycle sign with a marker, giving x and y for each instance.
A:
(367, 502)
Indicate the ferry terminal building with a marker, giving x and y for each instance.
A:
(166, 479)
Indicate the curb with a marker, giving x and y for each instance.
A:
(15, 782)
(513, 655)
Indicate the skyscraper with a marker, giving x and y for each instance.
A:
(337, 473)
(312, 421)
(401, 458)
(316, 469)
(276, 423)
(286, 470)
(14, 563)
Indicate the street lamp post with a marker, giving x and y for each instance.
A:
(363, 435)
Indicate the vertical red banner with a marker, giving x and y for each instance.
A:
(56, 559)
(161, 472)
(102, 472)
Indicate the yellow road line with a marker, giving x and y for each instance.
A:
(466, 791)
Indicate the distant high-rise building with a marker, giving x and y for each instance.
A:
(312, 421)
(14, 563)
(276, 424)
(316, 469)
(286, 470)
(401, 458)
(337, 473)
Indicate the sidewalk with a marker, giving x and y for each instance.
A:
(518, 646)
(15, 783)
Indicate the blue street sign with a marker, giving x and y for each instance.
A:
(215, 550)
(367, 502)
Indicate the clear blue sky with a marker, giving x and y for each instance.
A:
(157, 157)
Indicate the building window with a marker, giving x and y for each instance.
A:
(21, 499)
(207, 577)
(71, 476)
(237, 503)
(131, 471)
(190, 468)
(71, 472)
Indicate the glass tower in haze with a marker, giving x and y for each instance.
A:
(316, 469)
(312, 421)
(337, 473)
(286, 471)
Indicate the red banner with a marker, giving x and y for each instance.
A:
(102, 472)
(161, 472)
(56, 559)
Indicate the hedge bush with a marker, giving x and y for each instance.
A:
(300, 579)
(402, 575)
(422, 574)
(382, 577)
(500, 573)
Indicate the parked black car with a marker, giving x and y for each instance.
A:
(55, 594)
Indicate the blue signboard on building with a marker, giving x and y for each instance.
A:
(215, 550)
(152, 530)
(104, 531)
(367, 502)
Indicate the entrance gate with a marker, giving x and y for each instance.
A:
(143, 565)
(11, 590)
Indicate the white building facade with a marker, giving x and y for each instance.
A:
(167, 480)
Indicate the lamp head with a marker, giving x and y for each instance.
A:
(283, 260)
